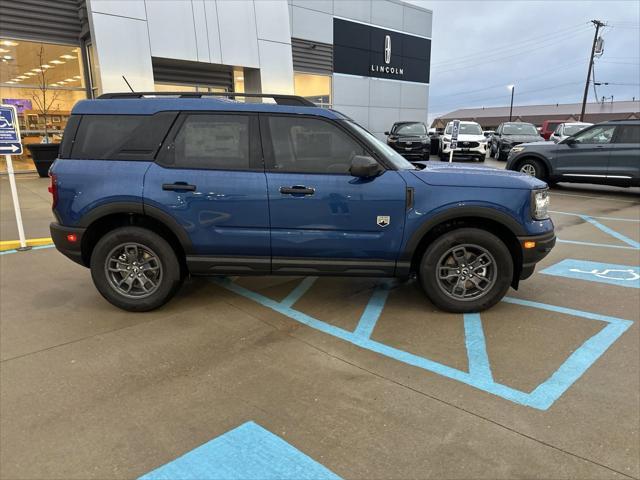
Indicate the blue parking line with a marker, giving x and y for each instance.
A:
(299, 291)
(613, 274)
(248, 452)
(618, 219)
(39, 247)
(479, 374)
(591, 244)
(372, 312)
(479, 365)
(610, 231)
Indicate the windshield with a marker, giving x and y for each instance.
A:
(466, 129)
(383, 149)
(519, 129)
(573, 129)
(410, 129)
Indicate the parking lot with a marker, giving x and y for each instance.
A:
(363, 378)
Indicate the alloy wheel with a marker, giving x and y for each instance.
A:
(529, 169)
(466, 272)
(133, 270)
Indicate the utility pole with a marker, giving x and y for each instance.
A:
(598, 24)
(513, 89)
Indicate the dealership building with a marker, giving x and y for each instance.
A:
(369, 59)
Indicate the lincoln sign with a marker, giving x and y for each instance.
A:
(368, 51)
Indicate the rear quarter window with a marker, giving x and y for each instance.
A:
(121, 137)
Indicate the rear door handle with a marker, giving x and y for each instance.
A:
(297, 190)
(178, 187)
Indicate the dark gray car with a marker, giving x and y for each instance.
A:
(607, 153)
(510, 134)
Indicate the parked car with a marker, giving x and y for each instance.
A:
(606, 153)
(567, 129)
(510, 134)
(410, 139)
(472, 144)
(148, 190)
(548, 127)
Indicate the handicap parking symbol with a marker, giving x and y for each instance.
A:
(620, 275)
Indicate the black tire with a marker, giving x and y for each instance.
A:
(498, 279)
(444, 157)
(532, 167)
(162, 263)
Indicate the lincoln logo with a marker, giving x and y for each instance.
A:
(386, 68)
(387, 49)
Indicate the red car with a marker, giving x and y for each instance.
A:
(549, 126)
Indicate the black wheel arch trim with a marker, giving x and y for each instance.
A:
(138, 208)
(455, 213)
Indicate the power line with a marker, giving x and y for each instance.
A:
(518, 80)
(486, 58)
(526, 92)
(513, 45)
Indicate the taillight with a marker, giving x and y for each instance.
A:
(53, 190)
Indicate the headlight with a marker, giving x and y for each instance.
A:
(391, 140)
(425, 141)
(446, 140)
(484, 140)
(517, 149)
(540, 204)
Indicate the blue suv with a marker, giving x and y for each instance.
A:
(150, 188)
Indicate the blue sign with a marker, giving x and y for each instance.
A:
(455, 129)
(620, 275)
(10, 143)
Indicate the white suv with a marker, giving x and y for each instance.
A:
(471, 142)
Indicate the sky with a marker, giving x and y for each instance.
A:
(542, 47)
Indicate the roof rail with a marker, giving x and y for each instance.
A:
(291, 100)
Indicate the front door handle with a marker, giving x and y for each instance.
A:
(179, 187)
(297, 190)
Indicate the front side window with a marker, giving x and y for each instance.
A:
(213, 142)
(308, 145)
(383, 149)
(596, 135)
(628, 134)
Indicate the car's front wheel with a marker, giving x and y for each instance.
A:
(466, 270)
(135, 269)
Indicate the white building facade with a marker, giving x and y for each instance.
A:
(369, 59)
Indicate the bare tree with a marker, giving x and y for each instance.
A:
(44, 97)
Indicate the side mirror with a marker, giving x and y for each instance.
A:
(570, 141)
(386, 133)
(363, 166)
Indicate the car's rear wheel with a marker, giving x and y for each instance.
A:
(466, 270)
(532, 167)
(135, 269)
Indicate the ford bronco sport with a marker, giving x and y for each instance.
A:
(150, 188)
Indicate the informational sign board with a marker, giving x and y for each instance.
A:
(455, 129)
(10, 143)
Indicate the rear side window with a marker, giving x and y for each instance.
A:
(213, 141)
(121, 137)
(308, 145)
(628, 134)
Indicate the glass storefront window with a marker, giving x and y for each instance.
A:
(166, 87)
(314, 87)
(43, 81)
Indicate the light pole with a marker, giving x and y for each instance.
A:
(512, 88)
